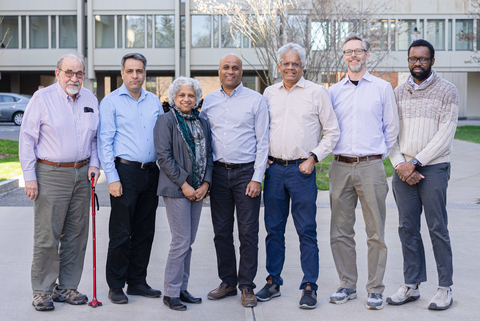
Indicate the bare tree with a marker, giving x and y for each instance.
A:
(470, 36)
(317, 25)
(4, 39)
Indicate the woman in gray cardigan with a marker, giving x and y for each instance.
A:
(184, 156)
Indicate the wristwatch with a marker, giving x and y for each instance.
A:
(414, 161)
(314, 157)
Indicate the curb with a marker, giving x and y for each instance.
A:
(11, 184)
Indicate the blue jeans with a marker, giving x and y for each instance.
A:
(283, 183)
(431, 194)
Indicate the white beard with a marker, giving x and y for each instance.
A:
(73, 90)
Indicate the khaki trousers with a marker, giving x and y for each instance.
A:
(61, 213)
(348, 183)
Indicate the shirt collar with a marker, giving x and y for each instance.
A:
(424, 83)
(300, 83)
(367, 76)
(124, 91)
(234, 92)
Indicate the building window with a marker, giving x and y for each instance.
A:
(135, 31)
(119, 32)
(164, 31)
(405, 30)
(297, 30)
(24, 32)
(38, 31)
(436, 33)
(464, 30)
(201, 31)
(182, 36)
(393, 29)
(319, 33)
(104, 31)
(478, 35)
(450, 34)
(216, 27)
(376, 31)
(227, 40)
(149, 31)
(67, 31)
(53, 20)
(10, 40)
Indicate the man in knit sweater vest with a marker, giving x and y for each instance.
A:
(428, 111)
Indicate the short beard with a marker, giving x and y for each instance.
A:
(356, 68)
(423, 75)
(73, 90)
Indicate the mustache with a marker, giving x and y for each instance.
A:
(76, 83)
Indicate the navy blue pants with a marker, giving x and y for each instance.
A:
(282, 184)
(132, 226)
(431, 194)
(226, 195)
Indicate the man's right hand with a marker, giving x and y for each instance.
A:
(115, 189)
(414, 178)
(269, 162)
(31, 189)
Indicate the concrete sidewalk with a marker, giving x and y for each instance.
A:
(16, 231)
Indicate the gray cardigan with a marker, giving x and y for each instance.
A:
(172, 156)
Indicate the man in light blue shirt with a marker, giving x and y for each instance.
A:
(126, 150)
(238, 119)
(367, 115)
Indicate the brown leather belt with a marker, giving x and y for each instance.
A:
(355, 159)
(285, 162)
(73, 164)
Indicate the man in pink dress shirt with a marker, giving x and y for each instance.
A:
(58, 153)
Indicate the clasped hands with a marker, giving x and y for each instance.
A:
(195, 194)
(407, 173)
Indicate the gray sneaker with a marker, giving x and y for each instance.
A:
(442, 300)
(404, 294)
(375, 301)
(42, 302)
(71, 296)
(343, 295)
(309, 299)
(268, 292)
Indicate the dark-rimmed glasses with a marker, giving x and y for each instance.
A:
(69, 73)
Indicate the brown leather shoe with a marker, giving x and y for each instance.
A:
(249, 300)
(222, 292)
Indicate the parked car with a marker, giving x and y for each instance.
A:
(12, 107)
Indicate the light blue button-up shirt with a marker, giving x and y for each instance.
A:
(239, 125)
(126, 129)
(367, 116)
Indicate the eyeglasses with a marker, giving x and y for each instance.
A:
(294, 64)
(69, 73)
(423, 60)
(358, 52)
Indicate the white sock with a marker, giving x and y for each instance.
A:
(413, 286)
(444, 287)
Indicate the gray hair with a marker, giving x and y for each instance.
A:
(353, 36)
(291, 47)
(184, 81)
(136, 56)
(60, 60)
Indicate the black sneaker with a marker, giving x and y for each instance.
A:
(117, 296)
(268, 292)
(309, 298)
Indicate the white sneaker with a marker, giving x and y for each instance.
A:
(442, 300)
(375, 301)
(404, 294)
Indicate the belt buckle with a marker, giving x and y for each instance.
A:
(142, 166)
(285, 162)
(358, 160)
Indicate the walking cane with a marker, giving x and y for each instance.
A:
(94, 303)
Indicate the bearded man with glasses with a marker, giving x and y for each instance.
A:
(428, 112)
(367, 115)
(58, 139)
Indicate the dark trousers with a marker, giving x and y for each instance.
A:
(132, 226)
(281, 184)
(226, 195)
(431, 194)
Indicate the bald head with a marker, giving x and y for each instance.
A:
(230, 72)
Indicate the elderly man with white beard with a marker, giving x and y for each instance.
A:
(367, 115)
(58, 139)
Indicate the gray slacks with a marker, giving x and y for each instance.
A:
(183, 217)
(349, 182)
(61, 213)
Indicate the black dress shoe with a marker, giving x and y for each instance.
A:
(188, 298)
(117, 296)
(174, 303)
(144, 290)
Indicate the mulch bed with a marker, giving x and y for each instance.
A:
(3, 155)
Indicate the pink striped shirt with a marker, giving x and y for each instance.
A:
(57, 129)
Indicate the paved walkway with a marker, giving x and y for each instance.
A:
(16, 230)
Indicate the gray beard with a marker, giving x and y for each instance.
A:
(356, 68)
(73, 90)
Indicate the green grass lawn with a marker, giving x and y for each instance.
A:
(9, 166)
(322, 171)
(468, 133)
